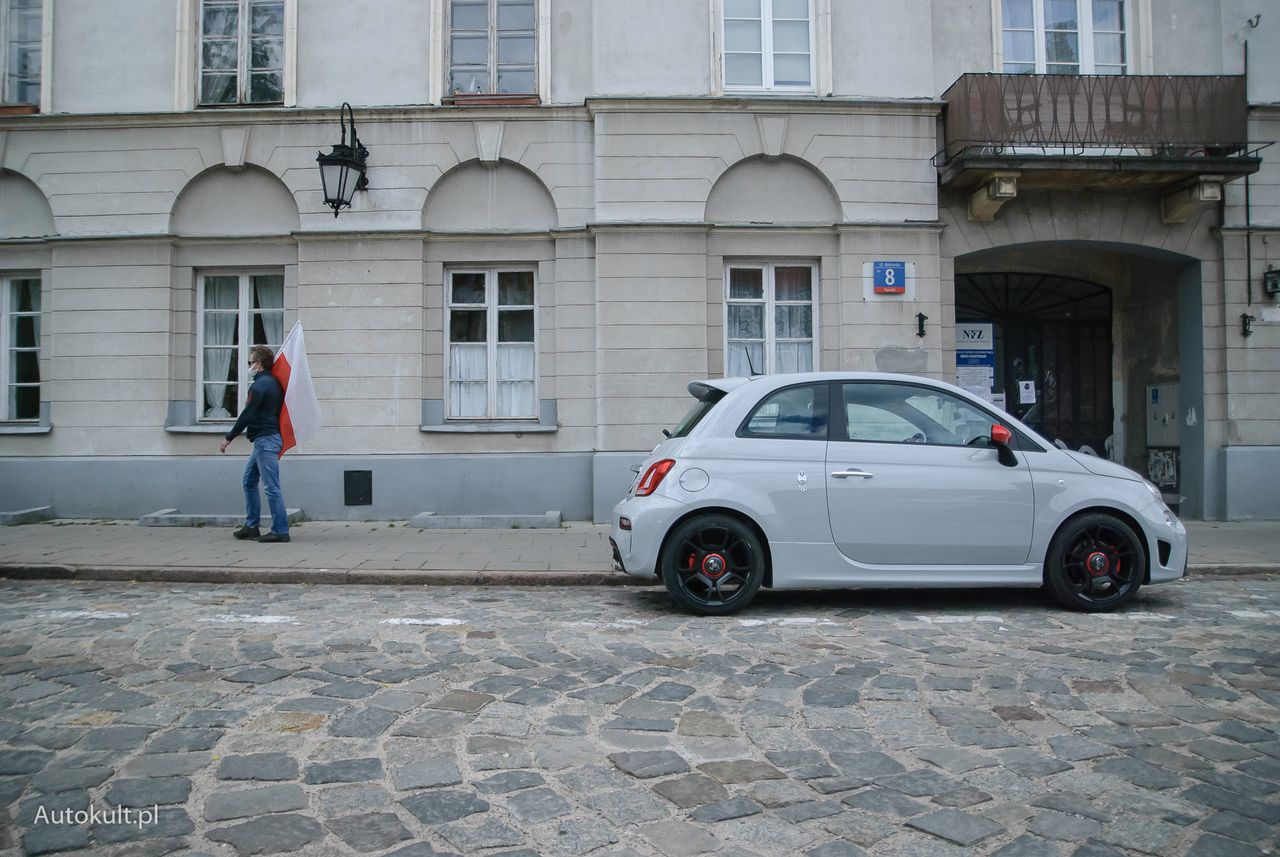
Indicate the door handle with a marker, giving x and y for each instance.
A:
(845, 474)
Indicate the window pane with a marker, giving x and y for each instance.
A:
(795, 412)
(746, 284)
(26, 367)
(515, 15)
(515, 325)
(221, 292)
(25, 21)
(515, 362)
(796, 9)
(746, 321)
(742, 70)
(791, 70)
(468, 325)
(1062, 69)
(1018, 14)
(793, 322)
(467, 288)
(515, 49)
(742, 357)
(791, 36)
(267, 19)
(469, 16)
(515, 81)
(793, 284)
(468, 363)
(267, 54)
(25, 403)
(1108, 15)
(794, 357)
(1062, 48)
(468, 80)
(219, 55)
(266, 87)
(742, 36)
(26, 331)
(1020, 47)
(1109, 49)
(515, 288)
(1060, 15)
(218, 89)
(742, 8)
(1019, 68)
(26, 296)
(470, 50)
(221, 19)
(24, 59)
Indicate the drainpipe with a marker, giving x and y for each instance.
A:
(1248, 209)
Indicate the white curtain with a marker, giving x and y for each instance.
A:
(269, 290)
(736, 362)
(220, 293)
(468, 390)
(795, 357)
(515, 381)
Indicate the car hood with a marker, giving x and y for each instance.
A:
(1102, 467)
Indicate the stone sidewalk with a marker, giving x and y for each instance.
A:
(392, 552)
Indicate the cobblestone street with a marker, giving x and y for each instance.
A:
(239, 720)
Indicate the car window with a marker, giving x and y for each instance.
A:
(903, 413)
(696, 413)
(794, 412)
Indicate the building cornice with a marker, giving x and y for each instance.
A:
(766, 104)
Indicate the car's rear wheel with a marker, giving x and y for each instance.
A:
(713, 564)
(1095, 563)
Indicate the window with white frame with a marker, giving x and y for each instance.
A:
(492, 47)
(492, 347)
(1064, 37)
(242, 52)
(20, 346)
(237, 311)
(768, 45)
(21, 50)
(769, 318)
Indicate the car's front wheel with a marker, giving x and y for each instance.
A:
(1095, 563)
(713, 564)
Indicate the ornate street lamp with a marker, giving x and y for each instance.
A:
(342, 170)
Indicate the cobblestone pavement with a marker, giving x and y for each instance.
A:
(236, 720)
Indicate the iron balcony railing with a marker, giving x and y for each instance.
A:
(1184, 116)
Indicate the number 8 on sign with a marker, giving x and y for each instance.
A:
(889, 278)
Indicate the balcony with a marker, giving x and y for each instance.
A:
(1182, 137)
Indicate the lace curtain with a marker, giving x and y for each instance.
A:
(221, 300)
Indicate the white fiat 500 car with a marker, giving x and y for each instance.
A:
(854, 480)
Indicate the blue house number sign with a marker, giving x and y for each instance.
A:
(889, 278)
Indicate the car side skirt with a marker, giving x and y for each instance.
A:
(802, 565)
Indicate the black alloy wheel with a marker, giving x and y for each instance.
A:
(1095, 563)
(713, 565)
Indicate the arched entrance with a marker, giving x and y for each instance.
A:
(1054, 333)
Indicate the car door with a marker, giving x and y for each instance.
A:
(914, 480)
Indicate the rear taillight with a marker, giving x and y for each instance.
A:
(653, 477)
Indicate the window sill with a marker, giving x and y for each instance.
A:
(24, 428)
(200, 428)
(489, 428)
(490, 99)
(19, 109)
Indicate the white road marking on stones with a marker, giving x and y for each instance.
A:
(440, 621)
(85, 614)
(959, 620)
(784, 621)
(1254, 614)
(237, 618)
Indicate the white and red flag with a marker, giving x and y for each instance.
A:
(300, 416)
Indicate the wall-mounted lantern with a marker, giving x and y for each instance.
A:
(342, 171)
(921, 318)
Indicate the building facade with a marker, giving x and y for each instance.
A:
(575, 207)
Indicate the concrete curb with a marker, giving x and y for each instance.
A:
(410, 577)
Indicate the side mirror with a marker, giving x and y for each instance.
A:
(1002, 437)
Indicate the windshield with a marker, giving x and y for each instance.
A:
(697, 412)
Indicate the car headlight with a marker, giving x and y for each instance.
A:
(1155, 492)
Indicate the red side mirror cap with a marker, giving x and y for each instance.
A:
(1000, 435)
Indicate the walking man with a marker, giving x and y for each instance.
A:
(260, 420)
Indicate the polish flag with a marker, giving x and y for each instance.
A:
(300, 416)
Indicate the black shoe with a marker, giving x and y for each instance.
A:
(247, 533)
(274, 537)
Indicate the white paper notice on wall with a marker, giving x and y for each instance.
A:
(1026, 392)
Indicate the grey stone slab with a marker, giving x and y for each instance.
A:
(267, 767)
(867, 765)
(692, 790)
(427, 773)
(118, 738)
(465, 701)
(726, 810)
(1064, 828)
(1210, 845)
(1073, 748)
(509, 781)
(148, 792)
(1238, 827)
(921, 783)
(581, 836)
(365, 723)
(647, 764)
(1028, 762)
(69, 779)
(962, 797)
(213, 718)
(1242, 732)
(798, 813)
(835, 849)
(442, 805)
(834, 692)
(370, 831)
(1220, 798)
(1139, 773)
(184, 740)
(954, 760)
(269, 834)
(246, 803)
(885, 802)
(170, 821)
(958, 827)
(1028, 846)
(257, 675)
(167, 765)
(104, 697)
(741, 771)
(52, 737)
(347, 690)
(343, 771)
(1072, 804)
(489, 833)
(534, 806)
(679, 839)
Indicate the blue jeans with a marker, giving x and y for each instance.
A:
(264, 461)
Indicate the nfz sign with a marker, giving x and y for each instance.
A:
(889, 278)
